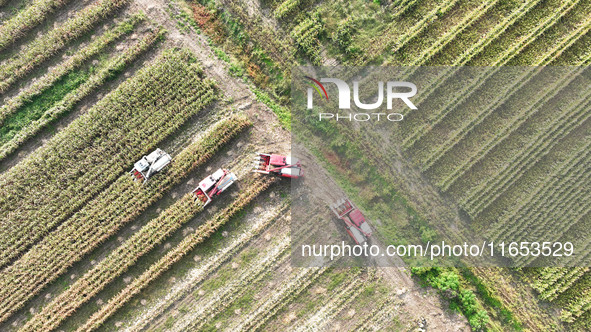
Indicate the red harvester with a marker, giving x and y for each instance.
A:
(355, 222)
(213, 185)
(284, 166)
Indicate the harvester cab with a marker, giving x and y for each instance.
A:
(355, 222)
(284, 166)
(213, 185)
(149, 165)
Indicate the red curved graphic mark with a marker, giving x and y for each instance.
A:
(319, 84)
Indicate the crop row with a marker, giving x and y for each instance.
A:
(467, 126)
(538, 193)
(579, 305)
(26, 19)
(380, 317)
(526, 113)
(565, 191)
(481, 196)
(525, 224)
(115, 264)
(450, 35)
(581, 61)
(49, 44)
(221, 298)
(378, 45)
(549, 186)
(285, 8)
(556, 219)
(460, 97)
(478, 116)
(110, 69)
(470, 53)
(198, 275)
(440, 42)
(186, 245)
(305, 34)
(82, 55)
(432, 46)
(421, 25)
(279, 299)
(554, 281)
(339, 298)
(101, 218)
(92, 151)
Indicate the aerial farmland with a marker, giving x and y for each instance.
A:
(173, 165)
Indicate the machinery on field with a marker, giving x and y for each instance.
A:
(355, 222)
(149, 165)
(213, 185)
(284, 166)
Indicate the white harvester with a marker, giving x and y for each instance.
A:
(149, 165)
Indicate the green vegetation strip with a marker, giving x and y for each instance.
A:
(49, 44)
(81, 56)
(27, 19)
(101, 218)
(81, 160)
(187, 244)
(12, 136)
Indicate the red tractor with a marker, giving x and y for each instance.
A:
(213, 185)
(355, 222)
(284, 166)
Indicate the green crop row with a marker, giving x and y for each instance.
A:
(101, 218)
(285, 8)
(96, 148)
(82, 55)
(305, 34)
(479, 197)
(49, 44)
(461, 96)
(537, 193)
(26, 19)
(114, 66)
(527, 113)
(187, 244)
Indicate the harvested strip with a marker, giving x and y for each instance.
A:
(96, 148)
(173, 256)
(198, 275)
(280, 298)
(26, 19)
(221, 298)
(44, 47)
(99, 78)
(67, 66)
(101, 218)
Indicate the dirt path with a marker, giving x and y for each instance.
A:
(418, 302)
